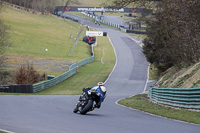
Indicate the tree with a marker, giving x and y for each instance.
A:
(173, 37)
(173, 33)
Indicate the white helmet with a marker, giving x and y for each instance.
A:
(100, 84)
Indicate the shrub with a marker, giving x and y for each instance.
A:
(26, 74)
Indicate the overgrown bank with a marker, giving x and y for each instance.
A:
(186, 77)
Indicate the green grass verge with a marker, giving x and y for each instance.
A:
(141, 102)
(89, 74)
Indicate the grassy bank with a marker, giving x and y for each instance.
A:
(89, 74)
(31, 34)
(42, 40)
(141, 102)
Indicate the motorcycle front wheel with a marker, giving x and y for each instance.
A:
(87, 107)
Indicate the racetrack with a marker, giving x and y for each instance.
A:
(53, 113)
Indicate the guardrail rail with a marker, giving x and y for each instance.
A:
(177, 97)
(72, 70)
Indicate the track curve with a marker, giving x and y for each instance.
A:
(53, 113)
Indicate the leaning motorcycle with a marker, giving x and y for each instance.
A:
(86, 101)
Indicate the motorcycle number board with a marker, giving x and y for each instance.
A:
(94, 33)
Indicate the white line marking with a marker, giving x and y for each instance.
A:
(147, 79)
(6, 131)
(115, 60)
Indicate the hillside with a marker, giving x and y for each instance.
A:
(46, 41)
(31, 35)
(188, 77)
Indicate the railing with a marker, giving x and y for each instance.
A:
(64, 76)
(64, 15)
(177, 97)
(113, 24)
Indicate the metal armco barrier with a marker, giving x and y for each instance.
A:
(64, 15)
(16, 88)
(54, 81)
(62, 77)
(82, 62)
(72, 70)
(177, 97)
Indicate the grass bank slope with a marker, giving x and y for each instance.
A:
(187, 77)
(90, 74)
(32, 34)
(41, 38)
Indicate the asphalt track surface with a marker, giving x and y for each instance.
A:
(53, 113)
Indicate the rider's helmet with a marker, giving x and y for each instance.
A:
(102, 87)
(100, 84)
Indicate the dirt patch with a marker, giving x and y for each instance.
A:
(41, 64)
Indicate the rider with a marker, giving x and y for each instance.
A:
(98, 88)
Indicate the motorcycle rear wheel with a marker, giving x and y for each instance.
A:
(87, 107)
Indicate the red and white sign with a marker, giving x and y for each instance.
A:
(94, 33)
